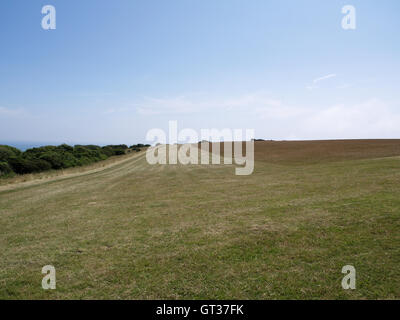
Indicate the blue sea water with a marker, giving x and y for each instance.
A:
(24, 145)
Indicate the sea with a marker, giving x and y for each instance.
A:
(24, 145)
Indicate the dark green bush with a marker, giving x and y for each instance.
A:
(139, 145)
(107, 151)
(116, 150)
(66, 148)
(55, 159)
(6, 152)
(22, 166)
(44, 158)
(119, 152)
(5, 169)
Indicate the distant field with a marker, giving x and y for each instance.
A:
(134, 231)
(291, 152)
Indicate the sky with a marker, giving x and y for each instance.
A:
(113, 70)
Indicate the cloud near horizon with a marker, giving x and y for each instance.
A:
(11, 112)
(271, 118)
(371, 118)
(189, 104)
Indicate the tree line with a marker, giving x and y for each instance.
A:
(14, 161)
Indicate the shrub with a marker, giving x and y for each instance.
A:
(139, 145)
(116, 150)
(107, 151)
(5, 169)
(66, 148)
(119, 152)
(22, 166)
(55, 159)
(44, 158)
(6, 152)
(40, 165)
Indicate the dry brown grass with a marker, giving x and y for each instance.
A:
(324, 150)
(321, 150)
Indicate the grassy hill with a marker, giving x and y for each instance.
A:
(134, 231)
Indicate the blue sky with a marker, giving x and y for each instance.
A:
(112, 70)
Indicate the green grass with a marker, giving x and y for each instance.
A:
(135, 231)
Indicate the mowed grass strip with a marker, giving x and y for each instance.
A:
(135, 231)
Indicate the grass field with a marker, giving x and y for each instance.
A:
(129, 230)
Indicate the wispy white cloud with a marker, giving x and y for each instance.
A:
(11, 112)
(270, 117)
(371, 118)
(189, 104)
(345, 86)
(175, 105)
(324, 77)
(115, 110)
(311, 87)
(315, 81)
(92, 94)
